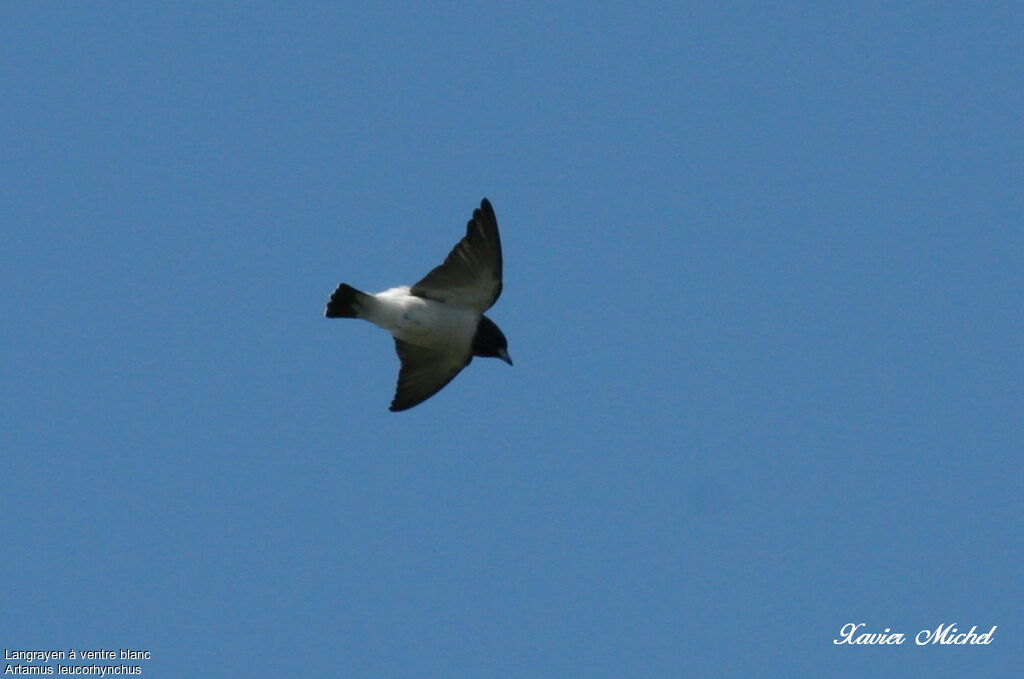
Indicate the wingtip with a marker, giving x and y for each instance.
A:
(484, 214)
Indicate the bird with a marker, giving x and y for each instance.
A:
(438, 324)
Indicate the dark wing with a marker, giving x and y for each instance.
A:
(471, 275)
(424, 373)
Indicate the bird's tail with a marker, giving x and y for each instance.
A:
(346, 302)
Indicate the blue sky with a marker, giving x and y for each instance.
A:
(762, 288)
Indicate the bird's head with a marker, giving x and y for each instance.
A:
(490, 341)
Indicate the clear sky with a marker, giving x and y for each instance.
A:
(762, 288)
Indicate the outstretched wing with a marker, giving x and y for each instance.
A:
(471, 275)
(424, 372)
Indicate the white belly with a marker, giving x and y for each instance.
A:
(423, 322)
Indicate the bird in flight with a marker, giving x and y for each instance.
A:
(439, 323)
